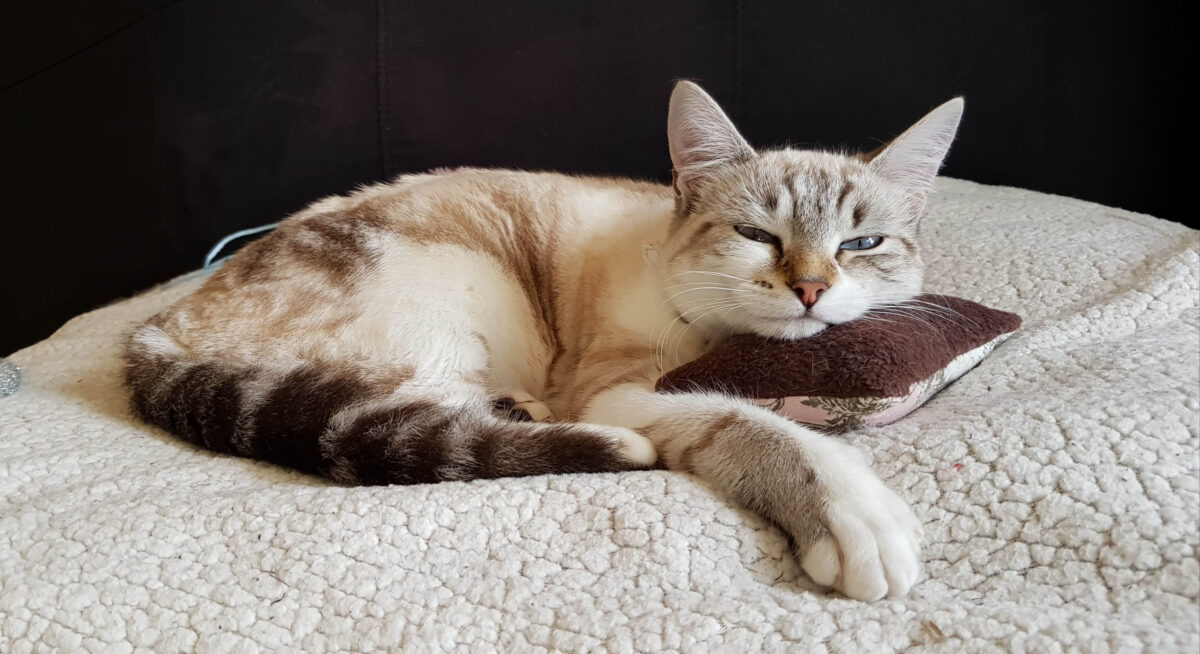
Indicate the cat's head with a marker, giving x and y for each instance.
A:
(786, 242)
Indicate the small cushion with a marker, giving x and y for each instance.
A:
(869, 371)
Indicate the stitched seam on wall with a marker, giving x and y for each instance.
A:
(69, 56)
(385, 155)
(737, 61)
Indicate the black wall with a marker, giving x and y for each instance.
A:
(134, 134)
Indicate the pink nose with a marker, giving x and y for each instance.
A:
(810, 292)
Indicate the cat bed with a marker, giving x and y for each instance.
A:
(1057, 483)
(871, 371)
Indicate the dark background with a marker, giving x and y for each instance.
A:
(134, 134)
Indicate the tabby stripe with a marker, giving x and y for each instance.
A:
(846, 188)
(701, 229)
(338, 421)
(908, 244)
(706, 441)
(860, 213)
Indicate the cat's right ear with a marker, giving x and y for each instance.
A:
(701, 138)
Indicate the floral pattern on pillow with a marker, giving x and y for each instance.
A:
(844, 413)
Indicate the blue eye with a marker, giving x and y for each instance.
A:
(864, 243)
(756, 234)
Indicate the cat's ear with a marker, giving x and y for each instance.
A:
(912, 159)
(701, 138)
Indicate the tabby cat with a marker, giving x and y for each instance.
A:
(372, 337)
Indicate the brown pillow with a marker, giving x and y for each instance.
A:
(869, 371)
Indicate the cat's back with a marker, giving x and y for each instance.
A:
(515, 217)
(506, 214)
(337, 257)
(466, 192)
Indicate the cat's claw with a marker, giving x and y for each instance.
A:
(872, 547)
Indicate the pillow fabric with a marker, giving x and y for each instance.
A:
(870, 371)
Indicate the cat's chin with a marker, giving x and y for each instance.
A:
(791, 329)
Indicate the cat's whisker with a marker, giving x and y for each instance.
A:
(703, 283)
(912, 305)
(922, 305)
(701, 288)
(870, 318)
(712, 272)
(899, 314)
(661, 340)
(912, 309)
(690, 323)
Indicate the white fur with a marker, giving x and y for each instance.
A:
(431, 305)
(875, 535)
(634, 446)
(157, 342)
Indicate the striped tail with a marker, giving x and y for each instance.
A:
(339, 421)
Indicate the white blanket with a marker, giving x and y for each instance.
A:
(1057, 482)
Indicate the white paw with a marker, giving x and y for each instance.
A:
(873, 545)
(634, 446)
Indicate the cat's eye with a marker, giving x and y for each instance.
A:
(756, 234)
(864, 243)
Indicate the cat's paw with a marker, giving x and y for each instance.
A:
(522, 407)
(633, 446)
(871, 546)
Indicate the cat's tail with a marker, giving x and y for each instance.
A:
(354, 424)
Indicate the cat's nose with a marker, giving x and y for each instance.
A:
(810, 292)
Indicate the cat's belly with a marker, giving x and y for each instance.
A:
(452, 313)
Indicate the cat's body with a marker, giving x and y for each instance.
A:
(369, 337)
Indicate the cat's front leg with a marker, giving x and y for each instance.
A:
(850, 532)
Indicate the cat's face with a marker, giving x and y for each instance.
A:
(788, 243)
(785, 243)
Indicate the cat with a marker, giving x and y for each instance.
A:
(369, 338)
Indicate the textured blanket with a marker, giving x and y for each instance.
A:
(1057, 482)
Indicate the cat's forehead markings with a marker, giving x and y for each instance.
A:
(770, 199)
(847, 186)
(908, 244)
(860, 213)
(812, 191)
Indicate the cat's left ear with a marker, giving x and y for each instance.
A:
(912, 159)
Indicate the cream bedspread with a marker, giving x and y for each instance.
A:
(1057, 481)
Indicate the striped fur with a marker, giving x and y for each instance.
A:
(342, 422)
(485, 323)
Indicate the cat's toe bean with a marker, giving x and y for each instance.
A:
(822, 562)
(863, 575)
(864, 558)
(904, 515)
(900, 558)
(873, 546)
